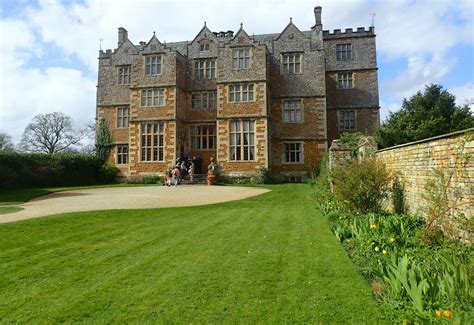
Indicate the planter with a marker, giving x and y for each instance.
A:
(211, 179)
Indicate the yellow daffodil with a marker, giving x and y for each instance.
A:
(392, 239)
(377, 249)
(439, 313)
(373, 226)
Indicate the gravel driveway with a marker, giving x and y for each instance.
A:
(129, 198)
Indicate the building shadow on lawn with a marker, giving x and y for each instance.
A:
(59, 195)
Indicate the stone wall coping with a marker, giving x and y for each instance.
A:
(447, 135)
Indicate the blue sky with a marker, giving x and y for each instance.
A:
(49, 48)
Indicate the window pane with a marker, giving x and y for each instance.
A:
(161, 153)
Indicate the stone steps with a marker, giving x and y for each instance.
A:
(199, 179)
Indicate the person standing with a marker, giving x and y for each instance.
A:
(183, 169)
(175, 174)
(191, 172)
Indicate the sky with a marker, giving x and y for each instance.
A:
(49, 48)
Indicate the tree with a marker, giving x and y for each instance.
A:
(424, 115)
(50, 133)
(6, 143)
(103, 142)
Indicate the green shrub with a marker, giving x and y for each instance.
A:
(363, 185)
(103, 141)
(398, 196)
(108, 173)
(264, 176)
(42, 170)
(237, 180)
(352, 139)
(313, 168)
(152, 179)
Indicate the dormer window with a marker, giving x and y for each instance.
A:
(291, 63)
(204, 47)
(153, 65)
(241, 58)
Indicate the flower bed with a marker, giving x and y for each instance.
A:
(417, 280)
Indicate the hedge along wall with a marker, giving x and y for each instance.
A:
(37, 170)
(415, 163)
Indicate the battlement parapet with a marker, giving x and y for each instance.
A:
(105, 54)
(349, 32)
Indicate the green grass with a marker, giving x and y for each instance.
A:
(21, 195)
(267, 259)
(9, 209)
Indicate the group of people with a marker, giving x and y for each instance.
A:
(184, 166)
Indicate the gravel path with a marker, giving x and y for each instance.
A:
(128, 198)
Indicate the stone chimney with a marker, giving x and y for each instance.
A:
(122, 36)
(317, 34)
(317, 17)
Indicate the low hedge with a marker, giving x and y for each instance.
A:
(41, 170)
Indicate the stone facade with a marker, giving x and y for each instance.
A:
(272, 101)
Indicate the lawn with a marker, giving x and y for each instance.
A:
(9, 209)
(266, 259)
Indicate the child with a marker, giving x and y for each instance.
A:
(167, 178)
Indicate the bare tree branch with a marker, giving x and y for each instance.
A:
(50, 133)
(6, 143)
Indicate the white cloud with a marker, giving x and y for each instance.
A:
(464, 94)
(29, 92)
(419, 73)
(387, 108)
(409, 28)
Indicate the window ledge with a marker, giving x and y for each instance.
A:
(293, 163)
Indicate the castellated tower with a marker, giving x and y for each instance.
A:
(270, 101)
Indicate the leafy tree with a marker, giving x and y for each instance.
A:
(103, 143)
(50, 133)
(6, 143)
(424, 115)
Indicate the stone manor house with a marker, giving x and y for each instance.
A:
(251, 101)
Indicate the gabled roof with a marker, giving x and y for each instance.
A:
(290, 28)
(127, 44)
(154, 42)
(204, 33)
(241, 33)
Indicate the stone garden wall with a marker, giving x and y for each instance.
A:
(415, 164)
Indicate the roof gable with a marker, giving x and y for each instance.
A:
(126, 48)
(154, 45)
(241, 37)
(204, 34)
(291, 32)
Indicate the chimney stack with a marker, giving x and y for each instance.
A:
(122, 36)
(317, 17)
